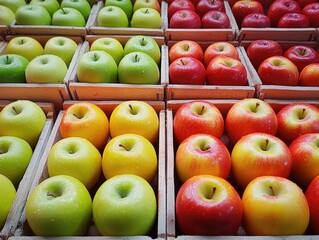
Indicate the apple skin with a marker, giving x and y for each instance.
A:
(270, 203)
(176, 5)
(293, 20)
(185, 48)
(312, 12)
(129, 154)
(215, 19)
(304, 3)
(185, 19)
(202, 154)
(8, 193)
(32, 15)
(220, 48)
(147, 3)
(12, 68)
(225, 70)
(187, 70)
(50, 5)
(244, 7)
(68, 16)
(124, 205)
(204, 6)
(125, 5)
(146, 18)
(261, 49)
(248, 116)
(55, 195)
(83, 6)
(312, 195)
(208, 205)
(197, 116)
(13, 5)
(297, 119)
(112, 16)
(7, 16)
(309, 75)
(278, 70)
(278, 8)
(256, 20)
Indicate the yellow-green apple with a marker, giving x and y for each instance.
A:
(146, 44)
(208, 205)
(305, 157)
(297, 119)
(261, 49)
(138, 68)
(110, 45)
(56, 195)
(187, 70)
(76, 157)
(312, 195)
(302, 56)
(23, 119)
(13, 4)
(61, 46)
(50, 5)
(278, 8)
(112, 16)
(137, 117)
(185, 48)
(83, 6)
(259, 154)
(177, 5)
(46, 68)
(278, 70)
(129, 154)
(312, 13)
(215, 19)
(125, 5)
(12, 68)
(96, 67)
(274, 206)
(124, 205)
(7, 16)
(256, 20)
(202, 154)
(197, 116)
(250, 115)
(293, 20)
(223, 70)
(86, 120)
(309, 75)
(155, 4)
(146, 18)
(244, 7)
(220, 48)
(185, 19)
(204, 6)
(8, 193)
(32, 15)
(15, 155)
(68, 17)
(27, 47)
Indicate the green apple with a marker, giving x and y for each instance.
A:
(47, 68)
(61, 46)
(138, 68)
(112, 16)
(146, 18)
(125, 5)
(110, 45)
(7, 16)
(144, 44)
(59, 206)
(81, 5)
(50, 5)
(124, 205)
(32, 15)
(147, 4)
(68, 17)
(27, 47)
(96, 67)
(12, 4)
(7, 193)
(15, 155)
(76, 157)
(12, 68)
(24, 119)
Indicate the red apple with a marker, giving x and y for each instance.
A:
(304, 3)
(312, 12)
(259, 50)
(312, 195)
(185, 48)
(185, 19)
(278, 70)
(187, 70)
(215, 19)
(208, 205)
(302, 56)
(205, 6)
(176, 5)
(197, 116)
(224, 70)
(280, 7)
(293, 20)
(256, 20)
(305, 158)
(202, 154)
(309, 76)
(248, 116)
(244, 7)
(220, 49)
(297, 119)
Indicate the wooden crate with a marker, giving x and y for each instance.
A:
(183, 91)
(4, 30)
(93, 27)
(279, 91)
(22, 231)
(118, 91)
(204, 34)
(12, 221)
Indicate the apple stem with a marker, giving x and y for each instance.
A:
(256, 106)
(182, 62)
(95, 57)
(210, 196)
(143, 42)
(202, 110)
(75, 115)
(146, 11)
(303, 113)
(303, 51)
(272, 191)
(121, 145)
(7, 59)
(51, 194)
(266, 145)
(63, 10)
(14, 109)
(136, 58)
